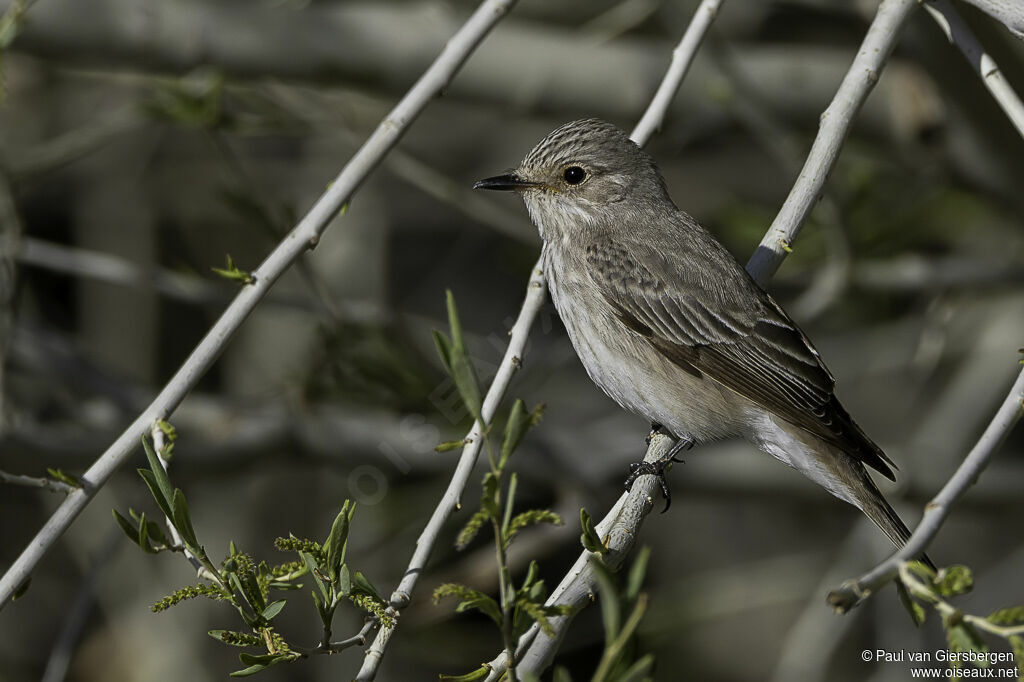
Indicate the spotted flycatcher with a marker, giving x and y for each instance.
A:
(672, 327)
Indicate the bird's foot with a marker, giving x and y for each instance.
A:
(638, 469)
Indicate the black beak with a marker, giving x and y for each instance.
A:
(506, 183)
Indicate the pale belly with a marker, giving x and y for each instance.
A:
(627, 368)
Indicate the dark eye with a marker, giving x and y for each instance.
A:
(574, 175)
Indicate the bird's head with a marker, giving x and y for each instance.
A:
(579, 174)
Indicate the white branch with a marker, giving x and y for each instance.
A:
(682, 57)
(1010, 13)
(304, 236)
(960, 35)
(935, 512)
(832, 130)
(536, 289)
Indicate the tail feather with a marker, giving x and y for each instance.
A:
(876, 508)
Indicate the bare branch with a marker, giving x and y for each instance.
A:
(961, 35)
(855, 591)
(832, 131)
(50, 484)
(682, 57)
(535, 293)
(1010, 13)
(304, 236)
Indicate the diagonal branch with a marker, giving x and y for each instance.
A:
(961, 35)
(304, 236)
(832, 130)
(855, 591)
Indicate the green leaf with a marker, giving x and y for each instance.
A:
(153, 484)
(361, 585)
(344, 581)
(589, 538)
(489, 496)
(273, 609)
(916, 611)
(954, 580)
(182, 520)
(451, 445)
(314, 570)
(143, 539)
(444, 349)
(635, 578)
(127, 526)
(1013, 615)
(470, 530)
(478, 674)
(531, 518)
(233, 273)
(64, 477)
(460, 366)
(334, 545)
(251, 670)
(510, 498)
(519, 422)
(532, 573)
(640, 670)
(611, 613)
(471, 599)
(1017, 644)
(160, 475)
(962, 637)
(156, 534)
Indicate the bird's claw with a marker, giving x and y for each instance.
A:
(638, 469)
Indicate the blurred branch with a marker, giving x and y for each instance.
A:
(855, 591)
(835, 124)
(10, 235)
(305, 235)
(385, 45)
(961, 35)
(1008, 12)
(535, 295)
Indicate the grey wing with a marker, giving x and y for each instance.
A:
(734, 334)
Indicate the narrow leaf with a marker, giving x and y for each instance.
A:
(478, 674)
(444, 349)
(158, 470)
(450, 445)
(127, 526)
(273, 609)
(153, 484)
(182, 520)
(589, 538)
(915, 610)
(334, 546)
(635, 579)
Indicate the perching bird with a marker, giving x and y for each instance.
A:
(670, 325)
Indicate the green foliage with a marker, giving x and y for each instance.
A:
(248, 584)
(456, 360)
(232, 272)
(518, 607)
(919, 585)
(589, 538)
(64, 477)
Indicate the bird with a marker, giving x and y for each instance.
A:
(670, 326)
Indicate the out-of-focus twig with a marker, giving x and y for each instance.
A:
(853, 592)
(50, 484)
(304, 236)
(835, 123)
(961, 35)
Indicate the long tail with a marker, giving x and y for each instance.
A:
(875, 506)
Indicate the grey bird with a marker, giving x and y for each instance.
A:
(670, 325)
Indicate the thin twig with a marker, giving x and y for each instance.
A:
(305, 236)
(961, 35)
(853, 592)
(535, 294)
(50, 484)
(834, 125)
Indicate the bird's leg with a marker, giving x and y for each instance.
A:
(656, 428)
(638, 469)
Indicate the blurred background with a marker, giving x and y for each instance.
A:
(142, 142)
